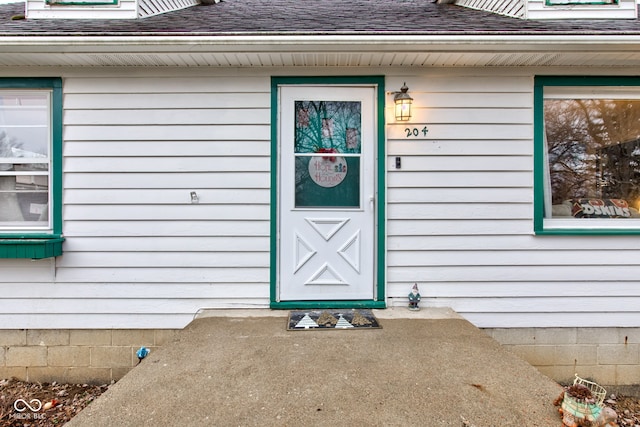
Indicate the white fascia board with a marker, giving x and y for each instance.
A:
(311, 43)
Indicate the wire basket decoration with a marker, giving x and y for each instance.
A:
(584, 400)
(598, 392)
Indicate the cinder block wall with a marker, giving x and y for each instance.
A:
(74, 355)
(609, 356)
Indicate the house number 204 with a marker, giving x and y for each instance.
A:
(415, 132)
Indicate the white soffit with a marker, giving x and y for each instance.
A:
(321, 60)
(318, 51)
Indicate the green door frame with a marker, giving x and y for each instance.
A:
(379, 300)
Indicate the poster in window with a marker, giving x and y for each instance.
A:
(327, 151)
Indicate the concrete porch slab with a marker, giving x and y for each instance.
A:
(387, 313)
(250, 371)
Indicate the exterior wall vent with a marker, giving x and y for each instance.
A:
(155, 7)
(513, 8)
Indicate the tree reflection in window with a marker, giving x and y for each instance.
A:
(327, 125)
(327, 151)
(593, 148)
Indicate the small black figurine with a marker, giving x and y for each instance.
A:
(414, 298)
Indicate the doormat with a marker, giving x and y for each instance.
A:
(332, 319)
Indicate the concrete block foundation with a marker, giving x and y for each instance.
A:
(608, 356)
(74, 355)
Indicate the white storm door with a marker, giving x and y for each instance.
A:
(327, 138)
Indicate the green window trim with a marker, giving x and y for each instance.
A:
(81, 3)
(553, 3)
(38, 245)
(539, 158)
(31, 248)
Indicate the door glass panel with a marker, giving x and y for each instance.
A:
(327, 151)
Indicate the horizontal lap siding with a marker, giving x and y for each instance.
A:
(459, 214)
(124, 9)
(138, 252)
(460, 217)
(625, 9)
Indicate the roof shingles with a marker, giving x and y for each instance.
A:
(321, 17)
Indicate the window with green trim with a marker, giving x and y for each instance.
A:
(30, 167)
(580, 2)
(81, 2)
(587, 154)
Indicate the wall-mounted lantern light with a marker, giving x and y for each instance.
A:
(403, 104)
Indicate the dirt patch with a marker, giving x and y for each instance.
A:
(627, 408)
(67, 400)
(43, 404)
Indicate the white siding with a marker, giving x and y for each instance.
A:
(138, 253)
(125, 9)
(460, 216)
(626, 9)
(37, 9)
(537, 9)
